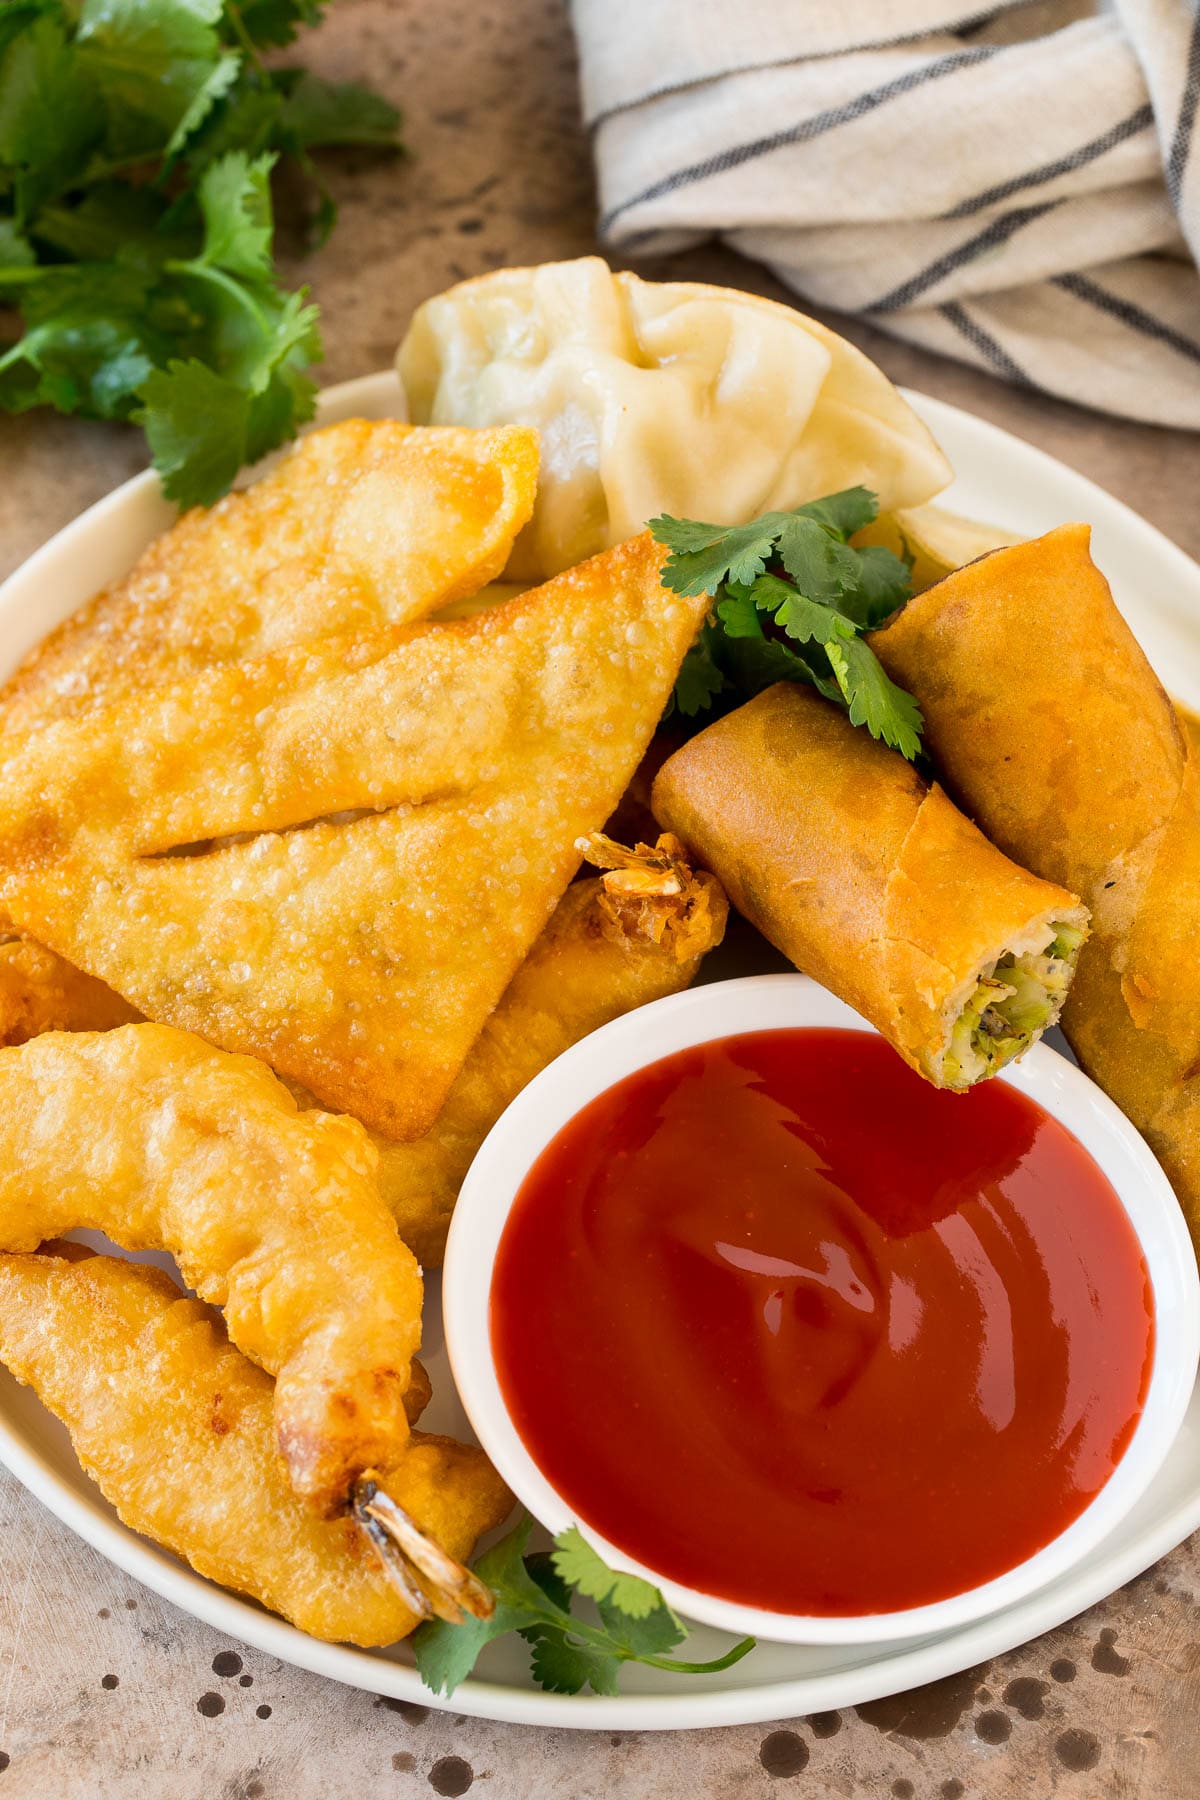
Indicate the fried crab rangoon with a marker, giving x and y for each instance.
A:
(161, 1142)
(336, 856)
(613, 943)
(177, 1429)
(363, 525)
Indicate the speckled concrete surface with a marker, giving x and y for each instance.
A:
(107, 1691)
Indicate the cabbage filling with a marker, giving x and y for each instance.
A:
(1013, 1002)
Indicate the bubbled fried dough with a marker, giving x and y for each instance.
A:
(176, 1427)
(162, 1142)
(336, 859)
(364, 524)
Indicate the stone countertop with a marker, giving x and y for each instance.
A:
(107, 1691)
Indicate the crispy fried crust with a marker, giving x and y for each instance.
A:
(1048, 722)
(592, 963)
(359, 956)
(176, 1427)
(39, 991)
(364, 524)
(841, 855)
(162, 1142)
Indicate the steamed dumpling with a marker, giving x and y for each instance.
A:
(659, 397)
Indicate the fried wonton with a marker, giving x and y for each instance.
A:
(334, 857)
(365, 524)
(40, 991)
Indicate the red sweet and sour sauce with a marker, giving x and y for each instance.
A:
(789, 1326)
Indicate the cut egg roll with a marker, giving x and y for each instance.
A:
(872, 881)
(1048, 723)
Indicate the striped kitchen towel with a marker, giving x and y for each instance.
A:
(1019, 189)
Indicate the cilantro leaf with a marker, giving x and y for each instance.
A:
(576, 1562)
(822, 567)
(196, 423)
(703, 556)
(792, 598)
(738, 611)
(873, 700)
(699, 680)
(884, 583)
(808, 621)
(446, 1654)
(843, 513)
(565, 1666)
(16, 252)
(321, 113)
(649, 1634)
(137, 141)
(152, 62)
(272, 23)
(236, 205)
(533, 1595)
(51, 115)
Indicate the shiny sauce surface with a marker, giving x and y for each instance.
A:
(789, 1326)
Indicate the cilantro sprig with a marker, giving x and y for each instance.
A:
(792, 597)
(137, 143)
(534, 1597)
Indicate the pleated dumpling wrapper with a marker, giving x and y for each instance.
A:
(335, 857)
(869, 879)
(659, 397)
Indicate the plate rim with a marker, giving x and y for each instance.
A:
(883, 1669)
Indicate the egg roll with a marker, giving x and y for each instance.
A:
(1048, 723)
(872, 881)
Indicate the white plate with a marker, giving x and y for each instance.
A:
(1001, 480)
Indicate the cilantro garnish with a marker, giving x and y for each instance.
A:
(791, 599)
(137, 141)
(534, 1595)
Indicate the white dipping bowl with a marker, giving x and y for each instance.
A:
(785, 1002)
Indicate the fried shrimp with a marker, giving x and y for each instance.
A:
(176, 1427)
(162, 1142)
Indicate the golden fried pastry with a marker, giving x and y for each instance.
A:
(162, 1142)
(613, 943)
(335, 857)
(177, 1429)
(364, 524)
(1076, 762)
(39, 991)
(872, 881)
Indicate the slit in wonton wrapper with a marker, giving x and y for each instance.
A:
(873, 882)
(176, 1427)
(334, 857)
(1048, 722)
(659, 397)
(363, 525)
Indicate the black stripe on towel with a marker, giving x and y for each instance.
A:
(993, 353)
(1136, 317)
(1141, 120)
(816, 126)
(1181, 143)
(998, 232)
